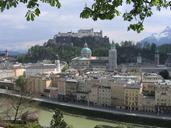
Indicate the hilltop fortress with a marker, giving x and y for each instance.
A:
(81, 33)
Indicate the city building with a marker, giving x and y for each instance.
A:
(37, 84)
(41, 68)
(51, 92)
(146, 103)
(156, 57)
(71, 89)
(83, 90)
(117, 93)
(87, 61)
(104, 93)
(61, 88)
(139, 59)
(93, 95)
(168, 61)
(131, 92)
(112, 58)
(148, 83)
(163, 96)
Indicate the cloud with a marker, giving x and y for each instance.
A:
(16, 32)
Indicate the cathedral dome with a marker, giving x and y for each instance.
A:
(86, 52)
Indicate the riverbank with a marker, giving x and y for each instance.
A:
(103, 113)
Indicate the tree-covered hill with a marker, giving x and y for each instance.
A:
(70, 47)
(67, 48)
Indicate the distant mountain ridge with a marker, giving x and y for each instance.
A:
(163, 37)
(13, 53)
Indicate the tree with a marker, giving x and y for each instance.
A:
(32, 5)
(20, 83)
(138, 12)
(100, 9)
(58, 120)
(164, 74)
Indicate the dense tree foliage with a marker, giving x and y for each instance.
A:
(164, 74)
(20, 83)
(70, 47)
(136, 11)
(32, 5)
(67, 48)
(58, 120)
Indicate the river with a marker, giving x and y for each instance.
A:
(45, 116)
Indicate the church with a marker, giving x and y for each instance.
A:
(87, 61)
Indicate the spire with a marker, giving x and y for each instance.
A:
(6, 53)
(156, 51)
(139, 54)
(85, 4)
(57, 57)
(113, 46)
(85, 45)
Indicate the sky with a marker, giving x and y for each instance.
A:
(17, 34)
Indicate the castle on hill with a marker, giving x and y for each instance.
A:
(81, 33)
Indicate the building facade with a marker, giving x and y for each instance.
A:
(163, 96)
(112, 59)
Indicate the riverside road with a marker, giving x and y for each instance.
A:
(113, 111)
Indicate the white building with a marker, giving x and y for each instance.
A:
(112, 58)
(40, 68)
(163, 93)
(139, 59)
(104, 93)
(156, 57)
(81, 33)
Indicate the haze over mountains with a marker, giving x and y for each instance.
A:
(163, 37)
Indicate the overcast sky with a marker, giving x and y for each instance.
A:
(17, 33)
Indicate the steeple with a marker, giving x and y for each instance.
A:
(112, 58)
(113, 46)
(156, 57)
(85, 45)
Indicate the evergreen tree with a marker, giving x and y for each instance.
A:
(164, 74)
(58, 120)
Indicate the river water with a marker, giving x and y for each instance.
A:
(45, 116)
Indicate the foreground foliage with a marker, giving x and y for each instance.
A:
(58, 120)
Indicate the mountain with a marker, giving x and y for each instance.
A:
(16, 53)
(13, 53)
(159, 38)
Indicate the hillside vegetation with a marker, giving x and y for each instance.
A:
(70, 47)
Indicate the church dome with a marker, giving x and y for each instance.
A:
(86, 52)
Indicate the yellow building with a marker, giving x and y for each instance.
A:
(146, 103)
(149, 80)
(71, 89)
(163, 96)
(19, 71)
(61, 88)
(131, 93)
(37, 84)
(93, 95)
(117, 94)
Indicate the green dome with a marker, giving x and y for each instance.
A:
(86, 52)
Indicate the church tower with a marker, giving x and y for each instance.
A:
(156, 57)
(57, 62)
(112, 58)
(139, 59)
